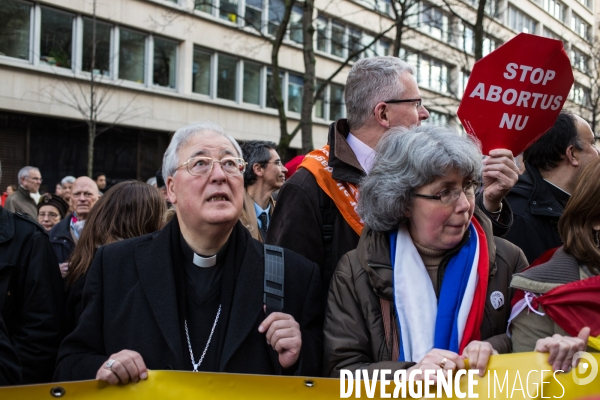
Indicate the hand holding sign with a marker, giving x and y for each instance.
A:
(516, 92)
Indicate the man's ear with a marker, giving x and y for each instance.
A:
(572, 156)
(170, 188)
(381, 115)
(258, 170)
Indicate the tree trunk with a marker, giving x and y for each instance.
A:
(91, 140)
(284, 137)
(478, 30)
(308, 90)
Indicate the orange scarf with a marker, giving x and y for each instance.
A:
(343, 194)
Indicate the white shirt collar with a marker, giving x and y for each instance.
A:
(364, 154)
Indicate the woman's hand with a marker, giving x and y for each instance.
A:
(478, 353)
(438, 359)
(562, 348)
(123, 367)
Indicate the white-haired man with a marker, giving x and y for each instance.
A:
(25, 200)
(315, 214)
(190, 297)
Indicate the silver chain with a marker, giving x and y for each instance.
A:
(187, 335)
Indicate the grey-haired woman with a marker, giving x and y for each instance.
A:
(428, 284)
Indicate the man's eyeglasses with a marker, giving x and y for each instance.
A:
(449, 196)
(199, 166)
(418, 102)
(35, 179)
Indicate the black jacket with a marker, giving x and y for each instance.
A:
(130, 302)
(34, 302)
(10, 365)
(297, 222)
(62, 240)
(535, 215)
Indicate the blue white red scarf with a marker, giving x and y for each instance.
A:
(454, 321)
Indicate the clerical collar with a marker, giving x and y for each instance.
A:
(204, 262)
(201, 260)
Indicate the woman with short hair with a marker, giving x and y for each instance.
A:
(428, 284)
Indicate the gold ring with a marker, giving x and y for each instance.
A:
(443, 363)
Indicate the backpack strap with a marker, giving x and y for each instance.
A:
(329, 213)
(273, 281)
(390, 329)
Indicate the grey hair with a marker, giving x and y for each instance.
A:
(371, 81)
(183, 135)
(24, 172)
(67, 179)
(406, 160)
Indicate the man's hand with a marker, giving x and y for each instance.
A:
(500, 173)
(283, 334)
(562, 349)
(478, 353)
(123, 367)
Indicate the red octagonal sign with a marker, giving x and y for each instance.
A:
(516, 92)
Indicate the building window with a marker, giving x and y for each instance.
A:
(337, 39)
(437, 118)
(296, 33)
(251, 83)
(434, 22)
(580, 27)
(132, 55)
(336, 102)
(165, 62)
(204, 5)
(103, 56)
(354, 45)
(276, 11)
(253, 15)
(383, 48)
(489, 45)
(463, 79)
(549, 34)
(579, 59)
(579, 95)
(322, 38)
(521, 22)
(271, 100)
(56, 38)
(226, 77)
(295, 86)
(555, 8)
(431, 73)
(587, 3)
(228, 10)
(320, 101)
(201, 72)
(14, 31)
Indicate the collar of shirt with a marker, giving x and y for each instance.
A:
(562, 196)
(364, 154)
(259, 211)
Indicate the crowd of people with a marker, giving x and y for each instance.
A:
(397, 245)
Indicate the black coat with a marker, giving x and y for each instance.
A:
(130, 302)
(535, 215)
(61, 239)
(34, 303)
(10, 365)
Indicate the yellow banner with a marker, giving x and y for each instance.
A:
(510, 376)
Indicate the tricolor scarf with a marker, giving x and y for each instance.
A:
(76, 225)
(455, 320)
(343, 194)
